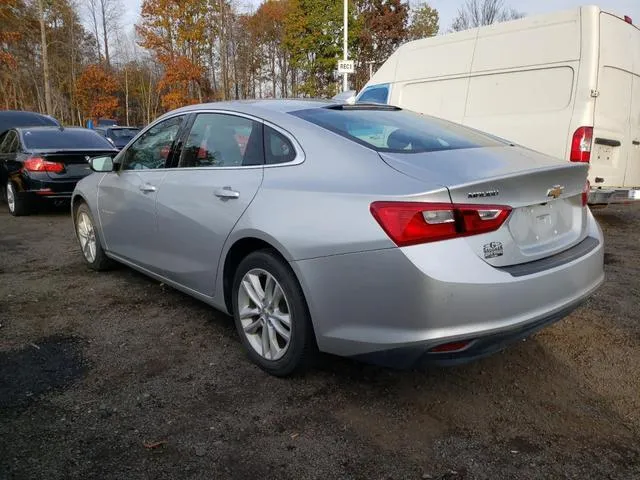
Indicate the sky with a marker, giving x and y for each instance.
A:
(448, 8)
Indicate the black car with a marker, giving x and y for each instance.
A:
(16, 118)
(39, 163)
(120, 136)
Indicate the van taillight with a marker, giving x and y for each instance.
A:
(628, 19)
(581, 145)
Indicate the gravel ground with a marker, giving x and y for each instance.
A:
(113, 375)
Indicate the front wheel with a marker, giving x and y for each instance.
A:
(271, 315)
(90, 245)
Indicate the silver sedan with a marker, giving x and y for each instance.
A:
(358, 230)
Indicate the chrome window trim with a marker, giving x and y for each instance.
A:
(298, 159)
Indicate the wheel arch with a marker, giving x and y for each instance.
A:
(238, 250)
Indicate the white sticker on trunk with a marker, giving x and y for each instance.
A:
(493, 250)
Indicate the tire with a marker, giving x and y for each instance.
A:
(301, 349)
(92, 250)
(17, 203)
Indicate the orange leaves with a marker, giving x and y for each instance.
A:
(175, 31)
(179, 74)
(96, 87)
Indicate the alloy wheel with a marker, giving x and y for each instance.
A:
(264, 314)
(11, 197)
(87, 237)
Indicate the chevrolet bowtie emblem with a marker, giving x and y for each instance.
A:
(556, 191)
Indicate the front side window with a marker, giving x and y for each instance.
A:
(387, 129)
(154, 147)
(222, 140)
(374, 94)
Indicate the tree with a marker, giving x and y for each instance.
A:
(103, 16)
(381, 29)
(96, 88)
(176, 32)
(267, 28)
(424, 22)
(476, 13)
(45, 60)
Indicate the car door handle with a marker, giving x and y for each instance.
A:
(636, 142)
(147, 187)
(226, 192)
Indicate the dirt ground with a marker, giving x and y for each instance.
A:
(115, 376)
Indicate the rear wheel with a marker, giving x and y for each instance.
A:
(271, 315)
(90, 245)
(17, 203)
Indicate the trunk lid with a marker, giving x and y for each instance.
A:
(76, 162)
(544, 193)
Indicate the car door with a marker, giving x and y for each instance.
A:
(127, 198)
(219, 172)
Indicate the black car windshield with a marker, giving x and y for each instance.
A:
(393, 130)
(123, 132)
(46, 139)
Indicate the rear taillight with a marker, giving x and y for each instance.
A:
(581, 145)
(37, 164)
(628, 19)
(411, 223)
(585, 193)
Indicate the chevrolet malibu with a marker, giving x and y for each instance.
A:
(359, 230)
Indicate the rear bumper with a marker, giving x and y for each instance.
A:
(607, 196)
(479, 346)
(36, 185)
(393, 306)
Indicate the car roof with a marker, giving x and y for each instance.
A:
(15, 118)
(51, 128)
(248, 106)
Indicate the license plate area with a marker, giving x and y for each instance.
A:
(537, 225)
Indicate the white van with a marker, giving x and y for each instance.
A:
(566, 84)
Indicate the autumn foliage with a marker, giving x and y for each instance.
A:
(96, 88)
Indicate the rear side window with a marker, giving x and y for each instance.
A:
(374, 94)
(54, 138)
(10, 143)
(277, 148)
(395, 130)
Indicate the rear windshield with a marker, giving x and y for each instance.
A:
(123, 132)
(68, 138)
(400, 131)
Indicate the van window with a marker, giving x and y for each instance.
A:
(374, 94)
(400, 131)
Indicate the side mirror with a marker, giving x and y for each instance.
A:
(101, 164)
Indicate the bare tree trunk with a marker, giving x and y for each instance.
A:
(105, 37)
(126, 93)
(45, 60)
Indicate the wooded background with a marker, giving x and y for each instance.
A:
(72, 58)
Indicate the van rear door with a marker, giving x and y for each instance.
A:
(613, 151)
(632, 176)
